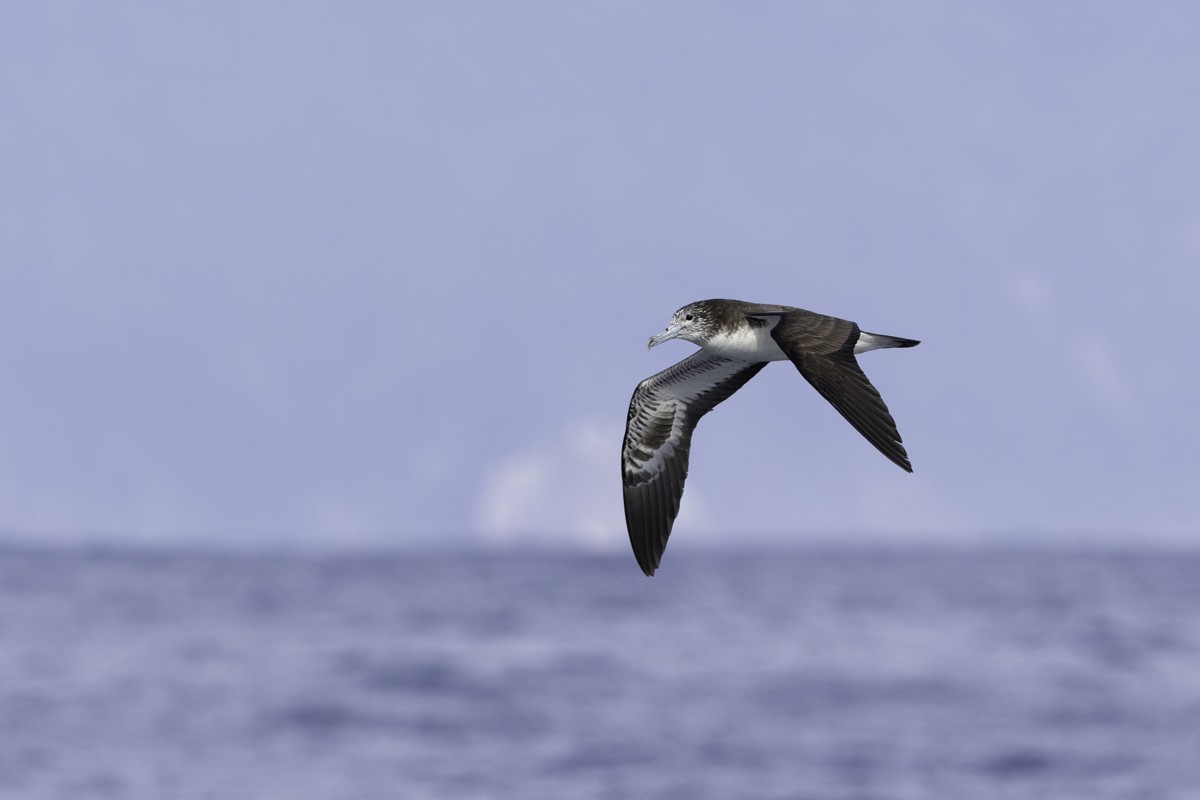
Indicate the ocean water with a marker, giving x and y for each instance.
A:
(780, 674)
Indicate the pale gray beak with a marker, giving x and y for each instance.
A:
(670, 333)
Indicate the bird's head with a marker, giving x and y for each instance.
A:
(692, 323)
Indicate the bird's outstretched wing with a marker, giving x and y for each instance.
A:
(822, 348)
(658, 436)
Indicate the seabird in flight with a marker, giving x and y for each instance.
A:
(736, 340)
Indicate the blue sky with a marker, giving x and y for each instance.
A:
(383, 273)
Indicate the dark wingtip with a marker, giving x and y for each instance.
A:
(907, 342)
(646, 561)
(898, 456)
(900, 459)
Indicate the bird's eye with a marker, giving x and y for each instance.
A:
(688, 318)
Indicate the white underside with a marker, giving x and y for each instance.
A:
(756, 344)
(747, 344)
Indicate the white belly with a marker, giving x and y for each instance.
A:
(746, 344)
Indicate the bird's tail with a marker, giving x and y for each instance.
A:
(877, 341)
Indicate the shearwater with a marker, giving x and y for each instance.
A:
(736, 340)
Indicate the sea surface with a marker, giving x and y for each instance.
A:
(779, 674)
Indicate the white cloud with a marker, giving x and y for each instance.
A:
(565, 489)
(1104, 377)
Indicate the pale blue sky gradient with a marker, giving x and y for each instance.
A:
(384, 272)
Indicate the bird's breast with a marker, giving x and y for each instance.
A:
(746, 343)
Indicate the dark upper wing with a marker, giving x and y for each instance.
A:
(658, 436)
(822, 348)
